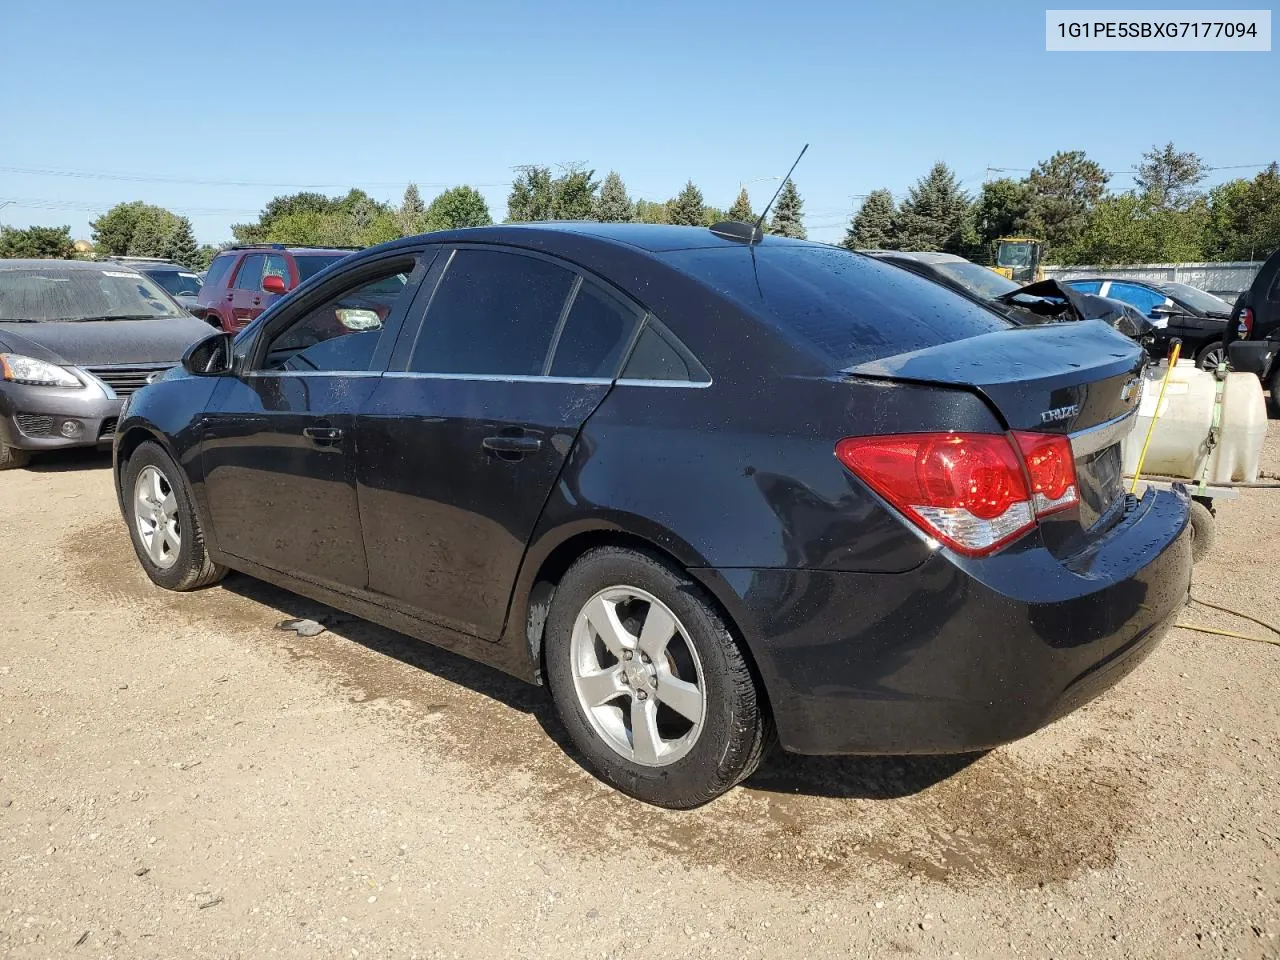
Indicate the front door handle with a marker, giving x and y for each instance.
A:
(322, 434)
(512, 444)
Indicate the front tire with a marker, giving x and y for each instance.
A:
(163, 526)
(11, 458)
(653, 689)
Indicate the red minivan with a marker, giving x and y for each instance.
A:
(244, 280)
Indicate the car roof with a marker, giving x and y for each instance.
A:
(38, 264)
(649, 237)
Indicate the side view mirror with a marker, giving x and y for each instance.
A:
(210, 357)
(1163, 310)
(273, 284)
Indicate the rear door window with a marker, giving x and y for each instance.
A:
(596, 332)
(848, 307)
(249, 276)
(658, 355)
(493, 313)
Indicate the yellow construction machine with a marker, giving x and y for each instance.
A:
(1018, 258)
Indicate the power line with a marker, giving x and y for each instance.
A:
(214, 182)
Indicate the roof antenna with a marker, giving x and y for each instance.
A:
(753, 233)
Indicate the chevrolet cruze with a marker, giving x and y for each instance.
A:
(710, 489)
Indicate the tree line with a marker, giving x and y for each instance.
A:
(1166, 217)
(1065, 201)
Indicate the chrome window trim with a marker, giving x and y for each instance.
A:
(691, 384)
(268, 374)
(1100, 437)
(498, 378)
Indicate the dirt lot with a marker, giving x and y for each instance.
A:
(178, 777)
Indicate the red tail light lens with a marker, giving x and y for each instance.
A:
(1051, 466)
(967, 490)
(1245, 329)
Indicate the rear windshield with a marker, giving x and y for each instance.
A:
(849, 307)
(1196, 297)
(309, 264)
(176, 282)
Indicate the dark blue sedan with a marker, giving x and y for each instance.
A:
(708, 488)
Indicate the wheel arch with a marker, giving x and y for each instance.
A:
(527, 619)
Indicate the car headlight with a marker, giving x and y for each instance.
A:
(19, 369)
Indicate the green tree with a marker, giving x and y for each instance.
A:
(787, 219)
(286, 205)
(653, 211)
(1000, 211)
(574, 193)
(872, 227)
(613, 205)
(179, 244)
(531, 196)
(686, 208)
(1064, 189)
(310, 228)
(712, 215)
(935, 214)
(1171, 179)
(44, 243)
(205, 256)
(134, 228)
(1244, 217)
(456, 208)
(411, 216)
(1134, 228)
(741, 209)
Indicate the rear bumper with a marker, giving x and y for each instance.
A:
(959, 655)
(31, 418)
(1253, 356)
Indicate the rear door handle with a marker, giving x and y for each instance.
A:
(322, 434)
(506, 444)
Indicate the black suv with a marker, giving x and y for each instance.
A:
(1253, 333)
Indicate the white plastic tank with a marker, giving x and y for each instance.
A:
(1179, 445)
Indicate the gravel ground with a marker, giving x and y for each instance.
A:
(178, 777)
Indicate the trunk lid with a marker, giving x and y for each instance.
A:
(1074, 378)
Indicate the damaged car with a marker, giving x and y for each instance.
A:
(75, 338)
(710, 487)
(1046, 301)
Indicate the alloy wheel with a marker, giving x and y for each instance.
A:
(155, 514)
(637, 676)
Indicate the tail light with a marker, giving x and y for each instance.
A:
(973, 492)
(1051, 468)
(1245, 328)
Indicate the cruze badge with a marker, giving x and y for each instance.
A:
(1129, 389)
(1060, 413)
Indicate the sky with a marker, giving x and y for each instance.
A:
(211, 109)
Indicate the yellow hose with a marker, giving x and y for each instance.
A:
(1173, 361)
(1231, 633)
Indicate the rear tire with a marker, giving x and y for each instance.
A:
(163, 526)
(1208, 356)
(1203, 531)
(11, 458)
(1275, 394)
(706, 724)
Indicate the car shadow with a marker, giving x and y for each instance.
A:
(867, 778)
(65, 461)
